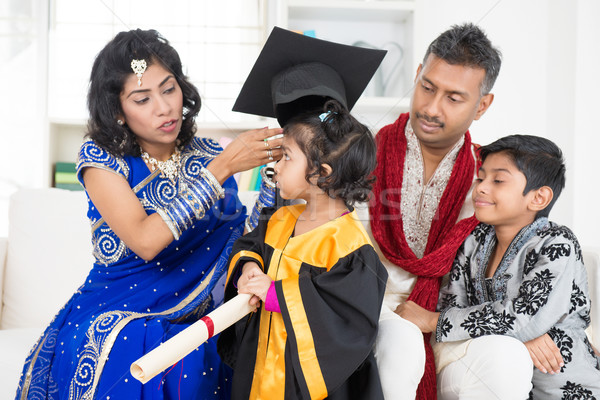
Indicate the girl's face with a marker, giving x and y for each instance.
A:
(154, 110)
(290, 172)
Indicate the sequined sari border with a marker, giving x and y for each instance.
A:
(112, 336)
(115, 332)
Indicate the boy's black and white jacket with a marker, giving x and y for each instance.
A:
(540, 286)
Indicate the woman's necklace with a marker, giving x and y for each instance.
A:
(168, 169)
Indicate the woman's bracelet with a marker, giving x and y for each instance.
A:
(194, 199)
(266, 197)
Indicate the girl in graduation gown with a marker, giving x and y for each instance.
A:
(315, 270)
(164, 214)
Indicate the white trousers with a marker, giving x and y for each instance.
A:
(400, 355)
(493, 367)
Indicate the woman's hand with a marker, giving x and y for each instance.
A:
(247, 151)
(545, 354)
(426, 320)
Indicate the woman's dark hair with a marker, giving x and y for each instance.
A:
(336, 138)
(539, 159)
(111, 69)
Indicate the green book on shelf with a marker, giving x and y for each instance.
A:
(61, 166)
(68, 186)
(258, 180)
(65, 177)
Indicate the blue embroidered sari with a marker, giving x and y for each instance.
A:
(128, 306)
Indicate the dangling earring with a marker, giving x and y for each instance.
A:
(120, 122)
(123, 142)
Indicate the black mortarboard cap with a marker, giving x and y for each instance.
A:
(296, 73)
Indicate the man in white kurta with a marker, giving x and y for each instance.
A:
(451, 91)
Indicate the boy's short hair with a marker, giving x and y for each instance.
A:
(539, 159)
(468, 45)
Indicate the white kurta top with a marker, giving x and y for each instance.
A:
(420, 201)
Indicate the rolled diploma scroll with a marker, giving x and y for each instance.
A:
(180, 345)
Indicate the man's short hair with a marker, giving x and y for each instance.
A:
(468, 45)
(539, 159)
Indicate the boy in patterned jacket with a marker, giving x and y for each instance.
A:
(519, 275)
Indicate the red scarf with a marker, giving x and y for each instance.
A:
(445, 236)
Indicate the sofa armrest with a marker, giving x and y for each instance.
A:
(3, 249)
(591, 258)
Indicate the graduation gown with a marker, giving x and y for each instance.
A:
(330, 285)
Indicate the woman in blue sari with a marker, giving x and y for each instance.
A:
(164, 212)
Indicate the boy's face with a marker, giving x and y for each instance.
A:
(498, 194)
(445, 101)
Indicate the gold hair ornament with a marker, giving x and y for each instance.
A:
(138, 67)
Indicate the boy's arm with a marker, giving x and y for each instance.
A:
(454, 293)
(543, 351)
(547, 293)
(545, 354)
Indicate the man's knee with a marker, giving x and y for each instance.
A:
(503, 353)
(399, 337)
(489, 363)
(400, 355)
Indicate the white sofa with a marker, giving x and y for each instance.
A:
(47, 255)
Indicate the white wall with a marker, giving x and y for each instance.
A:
(545, 87)
(23, 26)
(586, 131)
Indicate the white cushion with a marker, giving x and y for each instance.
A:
(591, 258)
(15, 345)
(3, 247)
(49, 254)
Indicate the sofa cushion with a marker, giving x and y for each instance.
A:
(49, 255)
(591, 258)
(15, 346)
(3, 247)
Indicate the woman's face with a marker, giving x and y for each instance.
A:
(154, 110)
